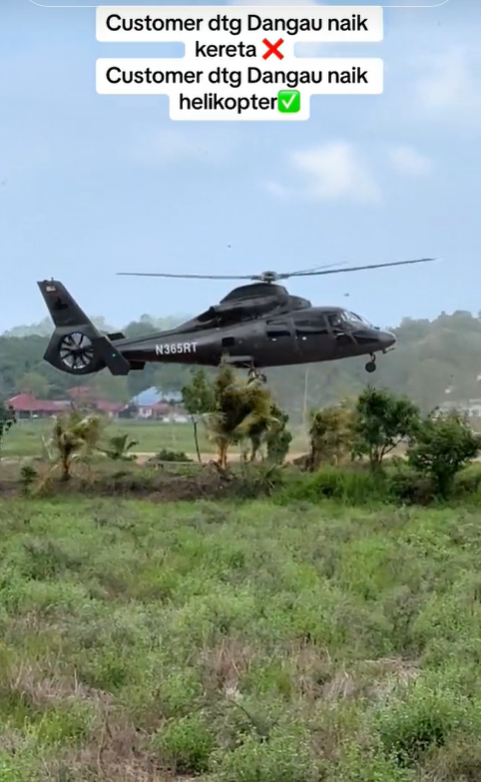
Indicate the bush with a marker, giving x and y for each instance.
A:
(278, 438)
(410, 488)
(441, 448)
(28, 476)
(172, 456)
(118, 448)
(186, 743)
(426, 719)
(467, 483)
(382, 421)
(258, 480)
(350, 486)
(331, 435)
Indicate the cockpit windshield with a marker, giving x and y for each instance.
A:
(356, 320)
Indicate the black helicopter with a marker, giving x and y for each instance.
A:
(255, 326)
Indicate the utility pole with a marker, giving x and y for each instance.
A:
(306, 396)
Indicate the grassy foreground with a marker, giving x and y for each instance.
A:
(238, 643)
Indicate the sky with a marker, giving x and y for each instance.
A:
(91, 185)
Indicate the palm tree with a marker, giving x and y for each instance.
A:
(118, 448)
(240, 409)
(74, 436)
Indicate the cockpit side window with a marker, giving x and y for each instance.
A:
(354, 319)
(335, 319)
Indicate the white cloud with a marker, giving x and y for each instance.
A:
(451, 84)
(408, 161)
(335, 172)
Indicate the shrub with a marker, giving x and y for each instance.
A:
(172, 456)
(382, 421)
(410, 488)
(350, 486)
(331, 435)
(28, 476)
(278, 438)
(118, 448)
(187, 743)
(424, 720)
(441, 448)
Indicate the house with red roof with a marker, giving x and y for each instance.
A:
(28, 406)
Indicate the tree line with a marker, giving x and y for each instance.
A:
(433, 361)
(351, 439)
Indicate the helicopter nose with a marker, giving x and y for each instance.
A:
(387, 339)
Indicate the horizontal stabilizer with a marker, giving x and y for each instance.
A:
(115, 361)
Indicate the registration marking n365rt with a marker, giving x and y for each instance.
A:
(171, 348)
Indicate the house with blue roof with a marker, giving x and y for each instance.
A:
(153, 396)
(154, 403)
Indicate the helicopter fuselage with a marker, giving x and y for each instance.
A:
(308, 335)
(293, 332)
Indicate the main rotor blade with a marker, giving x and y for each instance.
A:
(363, 268)
(272, 276)
(315, 269)
(261, 276)
(187, 276)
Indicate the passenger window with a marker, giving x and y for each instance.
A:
(305, 328)
(228, 342)
(280, 331)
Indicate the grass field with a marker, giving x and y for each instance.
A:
(238, 643)
(25, 438)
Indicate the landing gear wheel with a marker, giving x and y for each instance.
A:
(370, 366)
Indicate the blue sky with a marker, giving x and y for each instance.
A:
(91, 184)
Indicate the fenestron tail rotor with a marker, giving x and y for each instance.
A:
(76, 351)
(272, 276)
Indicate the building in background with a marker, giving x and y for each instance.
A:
(149, 405)
(154, 403)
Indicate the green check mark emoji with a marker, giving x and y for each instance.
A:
(289, 101)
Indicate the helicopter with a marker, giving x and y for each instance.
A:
(256, 326)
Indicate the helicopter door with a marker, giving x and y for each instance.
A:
(231, 346)
(313, 337)
(280, 335)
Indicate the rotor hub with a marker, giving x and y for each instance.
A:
(269, 276)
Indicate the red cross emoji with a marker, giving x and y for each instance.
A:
(272, 48)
